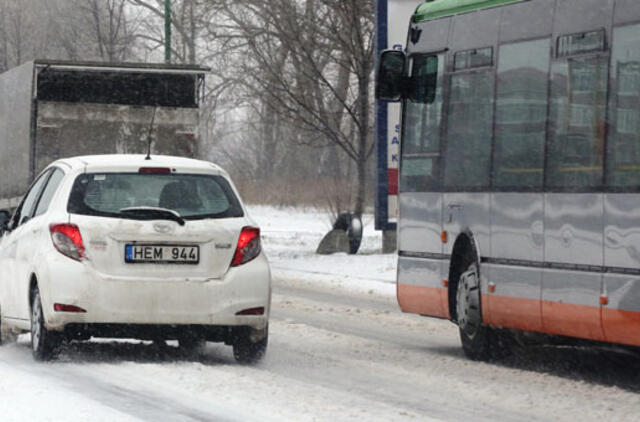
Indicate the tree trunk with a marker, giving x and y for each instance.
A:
(363, 135)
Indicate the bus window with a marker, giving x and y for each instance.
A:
(419, 165)
(623, 170)
(470, 128)
(521, 114)
(577, 123)
(469, 59)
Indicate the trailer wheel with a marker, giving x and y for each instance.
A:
(476, 338)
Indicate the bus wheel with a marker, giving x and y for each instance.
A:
(476, 338)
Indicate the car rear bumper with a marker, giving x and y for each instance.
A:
(215, 333)
(107, 300)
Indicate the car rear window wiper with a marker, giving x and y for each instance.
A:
(153, 213)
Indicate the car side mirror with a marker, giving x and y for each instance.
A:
(390, 77)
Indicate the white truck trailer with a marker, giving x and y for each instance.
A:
(52, 109)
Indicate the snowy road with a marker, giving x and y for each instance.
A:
(334, 355)
(339, 350)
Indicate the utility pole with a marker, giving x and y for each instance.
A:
(167, 31)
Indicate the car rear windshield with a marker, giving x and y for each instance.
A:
(192, 196)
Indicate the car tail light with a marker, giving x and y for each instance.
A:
(154, 170)
(252, 311)
(248, 246)
(67, 240)
(61, 307)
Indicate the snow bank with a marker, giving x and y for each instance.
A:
(291, 236)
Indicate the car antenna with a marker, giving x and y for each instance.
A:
(153, 119)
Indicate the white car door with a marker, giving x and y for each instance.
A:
(34, 241)
(12, 266)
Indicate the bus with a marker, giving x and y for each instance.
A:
(519, 190)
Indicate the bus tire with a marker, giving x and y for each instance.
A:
(475, 337)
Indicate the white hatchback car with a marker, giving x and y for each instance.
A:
(123, 247)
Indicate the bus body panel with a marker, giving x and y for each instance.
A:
(621, 315)
(621, 231)
(626, 11)
(539, 22)
(573, 229)
(515, 303)
(467, 213)
(574, 16)
(420, 289)
(434, 37)
(557, 261)
(571, 303)
(420, 226)
(573, 235)
(475, 30)
(517, 234)
(517, 226)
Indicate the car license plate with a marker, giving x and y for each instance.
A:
(161, 254)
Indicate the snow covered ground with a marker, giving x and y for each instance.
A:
(339, 350)
(291, 237)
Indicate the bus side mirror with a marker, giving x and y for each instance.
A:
(391, 70)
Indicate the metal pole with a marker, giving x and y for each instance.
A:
(167, 31)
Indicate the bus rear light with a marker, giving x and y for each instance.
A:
(604, 300)
(60, 307)
(248, 246)
(444, 236)
(68, 240)
(445, 283)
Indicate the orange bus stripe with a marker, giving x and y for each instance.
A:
(621, 326)
(572, 320)
(518, 313)
(567, 319)
(423, 300)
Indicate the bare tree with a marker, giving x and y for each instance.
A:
(188, 18)
(96, 29)
(311, 61)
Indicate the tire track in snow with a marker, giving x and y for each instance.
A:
(144, 405)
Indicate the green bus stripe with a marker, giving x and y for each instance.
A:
(441, 8)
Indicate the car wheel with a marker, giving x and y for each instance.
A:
(249, 345)
(191, 344)
(45, 344)
(475, 337)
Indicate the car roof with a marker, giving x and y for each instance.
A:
(128, 162)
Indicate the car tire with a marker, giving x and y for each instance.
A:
(191, 344)
(247, 349)
(478, 340)
(45, 344)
